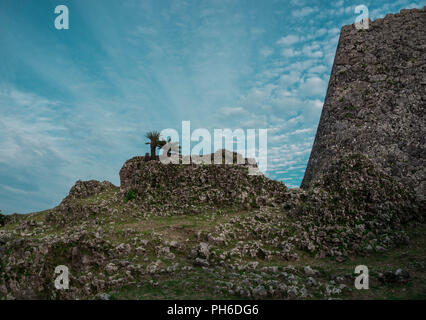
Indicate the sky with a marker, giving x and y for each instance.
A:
(75, 104)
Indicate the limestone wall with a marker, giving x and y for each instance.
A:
(376, 98)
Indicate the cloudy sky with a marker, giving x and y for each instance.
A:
(75, 104)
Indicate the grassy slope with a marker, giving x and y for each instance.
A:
(199, 282)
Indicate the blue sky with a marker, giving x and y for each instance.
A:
(75, 104)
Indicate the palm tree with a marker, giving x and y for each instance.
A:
(154, 142)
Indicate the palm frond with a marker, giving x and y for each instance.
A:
(153, 135)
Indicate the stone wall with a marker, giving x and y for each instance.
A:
(376, 98)
(129, 171)
(179, 187)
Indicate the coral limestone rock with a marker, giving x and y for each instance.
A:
(375, 102)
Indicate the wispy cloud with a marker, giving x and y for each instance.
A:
(303, 12)
(288, 40)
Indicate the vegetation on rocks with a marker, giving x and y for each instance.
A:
(154, 142)
(130, 195)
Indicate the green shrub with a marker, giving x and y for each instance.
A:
(131, 194)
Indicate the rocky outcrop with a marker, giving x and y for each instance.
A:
(150, 187)
(127, 172)
(27, 271)
(82, 202)
(185, 187)
(356, 207)
(84, 189)
(375, 102)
